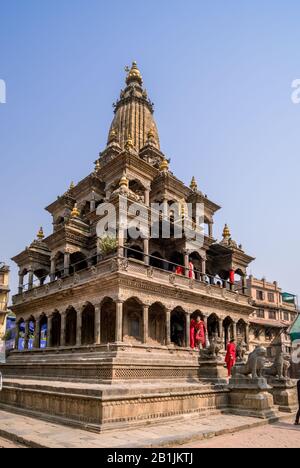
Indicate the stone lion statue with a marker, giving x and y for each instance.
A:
(213, 351)
(241, 351)
(280, 368)
(254, 366)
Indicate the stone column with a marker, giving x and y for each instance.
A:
(187, 263)
(203, 268)
(221, 329)
(98, 325)
(21, 282)
(145, 323)
(63, 329)
(37, 332)
(79, 328)
(234, 329)
(147, 197)
(188, 330)
(49, 331)
(26, 337)
(247, 333)
(146, 252)
(244, 284)
(17, 336)
(205, 319)
(30, 279)
(168, 327)
(121, 242)
(52, 269)
(66, 263)
(119, 321)
(210, 230)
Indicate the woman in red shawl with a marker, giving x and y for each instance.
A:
(230, 358)
(193, 333)
(200, 330)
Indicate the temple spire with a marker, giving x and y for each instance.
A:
(134, 114)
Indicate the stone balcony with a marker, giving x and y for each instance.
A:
(138, 270)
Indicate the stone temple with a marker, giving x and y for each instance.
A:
(106, 331)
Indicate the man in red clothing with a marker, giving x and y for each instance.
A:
(230, 358)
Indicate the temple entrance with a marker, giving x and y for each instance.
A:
(71, 327)
(56, 330)
(178, 327)
(241, 332)
(88, 325)
(213, 326)
(157, 323)
(43, 338)
(228, 330)
(133, 320)
(108, 321)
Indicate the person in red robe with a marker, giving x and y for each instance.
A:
(230, 358)
(200, 329)
(179, 270)
(193, 333)
(192, 271)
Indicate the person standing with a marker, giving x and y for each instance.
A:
(200, 328)
(230, 358)
(298, 414)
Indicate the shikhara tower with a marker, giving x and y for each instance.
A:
(115, 317)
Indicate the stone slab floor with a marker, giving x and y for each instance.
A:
(36, 433)
(280, 435)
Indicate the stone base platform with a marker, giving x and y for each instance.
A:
(101, 408)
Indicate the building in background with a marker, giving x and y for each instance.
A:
(274, 314)
(4, 294)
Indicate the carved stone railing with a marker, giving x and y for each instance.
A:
(136, 269)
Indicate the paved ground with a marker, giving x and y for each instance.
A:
(36, 433)
(7, 444)
(280, 435)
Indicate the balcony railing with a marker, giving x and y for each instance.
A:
(169, 273)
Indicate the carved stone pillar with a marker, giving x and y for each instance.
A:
(221, 329)
(17, 336)
(79, 328)
(205, 320)
(244, 284)
(168, 327)
(67, 263)
(37, 334)
(98, 325)
(63, 329)
(203, 268)
(49, 331)
(187, 263)
(188, 330)
(121, 237)
(119, 321)
(210, 230)
(234, 331)
(247, 333)
(145, 323)
(147, 197)
(21, 282)
(30, 279)
(52, 269)
(146, 252)
(26, 337)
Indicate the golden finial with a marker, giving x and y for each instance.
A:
(134, 74)
(194, 185)
(97, 165)
(129, 143)
(164, 167)
(72, 186)
(75, 212)
(40, 234)
(113, 134)
(124, 182)
(226, 232)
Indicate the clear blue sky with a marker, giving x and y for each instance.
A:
(220, 74)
